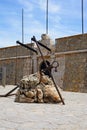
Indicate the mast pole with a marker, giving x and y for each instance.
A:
(22, 25)
(46, 16)
(82, 12)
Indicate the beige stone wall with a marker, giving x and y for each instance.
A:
(70, 52)
(74, 49)
(17, 61)
(75, 72)
(14, 51)
(16, 68)
(10, 70)
(71, 43)
(59, 75)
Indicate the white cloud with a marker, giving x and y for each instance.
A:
(52, 6)
(7, 41)
(64, 20)
(41, 5)
(26, 4)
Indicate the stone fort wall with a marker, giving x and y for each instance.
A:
(70, 52)
(73, 49)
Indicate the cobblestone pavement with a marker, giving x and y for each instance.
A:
(23, 116)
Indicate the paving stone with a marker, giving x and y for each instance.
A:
(33, 116)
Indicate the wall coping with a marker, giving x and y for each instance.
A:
(66, 37)
(58, 53)
(71, 52)
(18, 57)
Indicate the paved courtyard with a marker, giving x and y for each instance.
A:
(32, 116)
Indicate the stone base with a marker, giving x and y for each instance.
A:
(34, 88)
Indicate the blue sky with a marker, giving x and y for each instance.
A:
(64, 19)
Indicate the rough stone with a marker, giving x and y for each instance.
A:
(34, 88)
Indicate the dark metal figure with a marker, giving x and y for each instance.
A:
(47, 68)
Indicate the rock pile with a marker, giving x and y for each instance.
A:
(36, 88)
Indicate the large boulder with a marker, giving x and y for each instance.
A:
(37, 88)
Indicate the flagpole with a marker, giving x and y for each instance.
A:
(82, 12)
(22, 26)
(46, 16)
